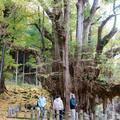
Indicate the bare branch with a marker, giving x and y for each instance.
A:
(117, 7)
(94, 8)
(96, 20)
(88, 21)
(107, 37)
(113, 30)
(102, 25)
(92, 11)
(103, 41)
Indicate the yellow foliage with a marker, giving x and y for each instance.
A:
(18, 95)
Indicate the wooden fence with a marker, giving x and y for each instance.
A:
(36, 114)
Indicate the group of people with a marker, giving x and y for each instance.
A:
(58, 106)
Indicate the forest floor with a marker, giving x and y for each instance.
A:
(21, 95)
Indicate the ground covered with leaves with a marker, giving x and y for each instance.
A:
(21, 95)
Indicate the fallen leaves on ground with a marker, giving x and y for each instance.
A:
(21, 95)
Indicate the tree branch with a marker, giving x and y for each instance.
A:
(107, 37)
(87, 22)
(46, 33)
(96, 20)
(94, 8)
(92, 11)
(100, 29)
(103, 41)
(46, 9)
(117, 7)
(113, 52)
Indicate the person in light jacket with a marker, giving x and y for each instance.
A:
(41, 104)
(58, 107)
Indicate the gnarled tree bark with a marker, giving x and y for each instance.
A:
(2, 82)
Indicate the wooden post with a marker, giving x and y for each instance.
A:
(57, 115)
(17, 110)
(20, 106)
(105, 116)
(45, 115)
(24, 67)
(36, 77)
(32, 114)
(48, 115)
(113, 112)
(76, 116)
(16, 114)
(17, 55)
(38, 114)
(81, 115)
(9, 111)
(86, 116)
(51, 115)
(25, 114)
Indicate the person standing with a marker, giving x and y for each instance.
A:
(73, 105)
(41, 104)
(58, 107)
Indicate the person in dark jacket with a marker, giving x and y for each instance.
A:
(73, 105)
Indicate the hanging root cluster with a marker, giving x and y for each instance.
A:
(88, 89)
(85, 84)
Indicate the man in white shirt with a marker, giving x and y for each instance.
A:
(58, 106)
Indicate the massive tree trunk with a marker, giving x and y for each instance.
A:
(87, 73)
(57, 37)
(2, 82)
(57, 21)
(88, 21)
(57, 47)
(67, 82)
(87, 26)
(84, 25)
(79, 27)
(61, 38)
(79, 40)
